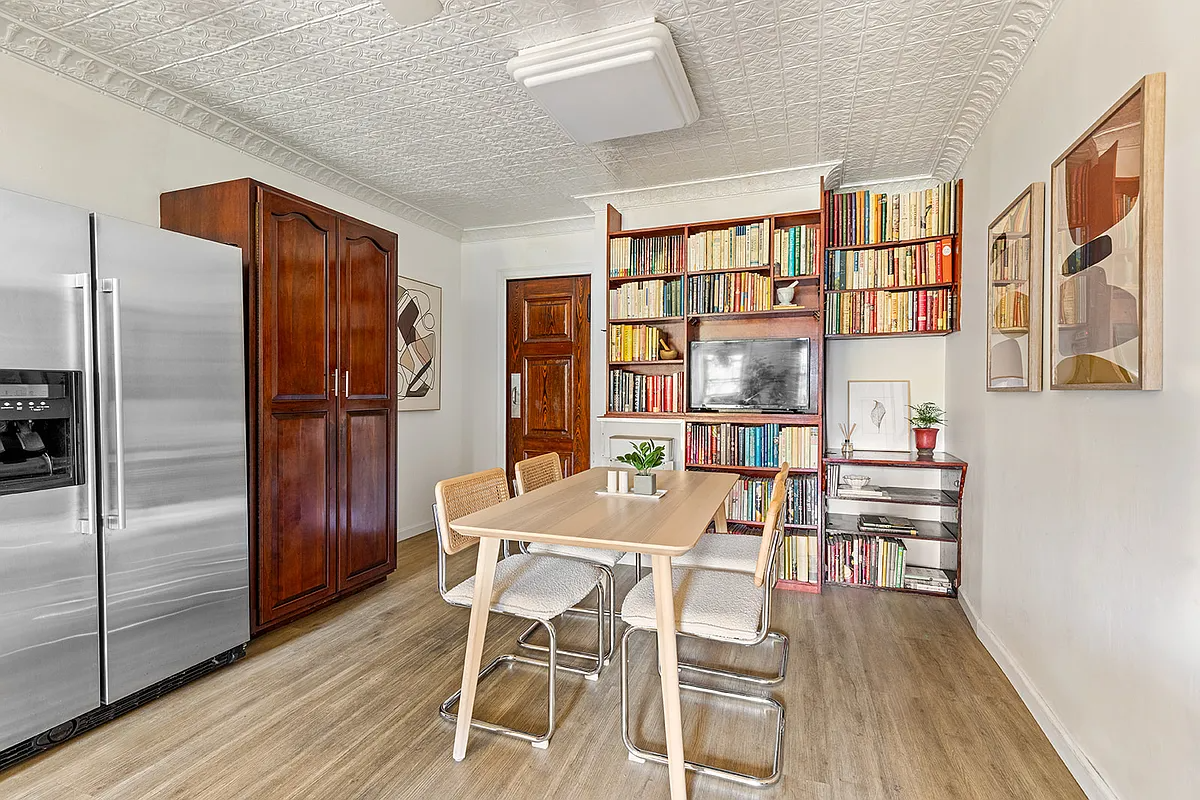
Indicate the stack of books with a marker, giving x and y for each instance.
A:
(886, 525)
(927, 579)
(630, 392)
(889, 311)
(769, 445)
(796, 251)
(646, 299)
(736, 247)
(798, 559)
(728, 292)
(645, 255)
(846, 491)
(633, 343)
(865, 217)
(910, 265)
(865, 560)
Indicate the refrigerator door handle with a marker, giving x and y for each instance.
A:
(83, 281)
(113, 286)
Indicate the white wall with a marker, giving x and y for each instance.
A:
(487, 265)
(1083, 541)
(69, 143)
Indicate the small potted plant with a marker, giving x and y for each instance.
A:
(925, 419)
(644, 457)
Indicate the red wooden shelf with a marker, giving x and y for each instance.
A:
(798, 586)
(897, 335)
(889, 245)
(656, 276)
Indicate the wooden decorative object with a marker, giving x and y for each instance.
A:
(1015, 266)
(1106, 217)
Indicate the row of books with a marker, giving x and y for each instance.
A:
(796, 251)
(634, 342)
(1010, 257)
(1010, 308)
(642, 299)
(629, 392)
(797, 560)
(730, 248)
(864, 560)
(645, 255)
(910, 265)
(865, 217)
(767, 445)
(889, 311)
(750, 496)
(728, 292)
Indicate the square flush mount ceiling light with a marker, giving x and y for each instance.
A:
(618, 82)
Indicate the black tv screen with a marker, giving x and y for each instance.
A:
(749, 375)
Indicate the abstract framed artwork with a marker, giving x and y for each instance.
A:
(878, 410)
(1106, 214)
(419, 345)
(1015, 266)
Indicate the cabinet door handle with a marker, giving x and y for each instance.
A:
(335, 382)
(514, 401)
(346, 393)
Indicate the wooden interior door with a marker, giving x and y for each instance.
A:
(366, 334)
(548, 370)
(297, 562)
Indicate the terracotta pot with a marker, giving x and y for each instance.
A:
(926, 439)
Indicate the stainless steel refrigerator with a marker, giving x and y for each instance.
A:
(123, 499)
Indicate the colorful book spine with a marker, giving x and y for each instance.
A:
(865, 217)
(646, 299)
(893, 267)
(646, 255)
(750, 496)
(889, 311)
(865, 560)
(798, 559)
(634, 342)
(736, 247)
(631, 392)
(739, 445)
(728, 292)
(796, 251)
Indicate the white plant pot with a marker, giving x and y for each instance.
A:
(645, 484)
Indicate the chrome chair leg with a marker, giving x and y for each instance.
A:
(756, 680)
(541, 741)
(639, 754)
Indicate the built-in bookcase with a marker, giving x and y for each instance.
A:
(724, 275)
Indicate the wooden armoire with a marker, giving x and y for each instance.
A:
(321, 389)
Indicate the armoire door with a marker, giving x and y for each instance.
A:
(297, 562)
(366, 346)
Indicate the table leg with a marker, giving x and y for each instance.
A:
(664, 604)
(485, 571)
(720, 521)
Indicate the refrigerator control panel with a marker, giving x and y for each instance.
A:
(42, 442)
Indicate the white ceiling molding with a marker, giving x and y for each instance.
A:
(751, 183)
(48, 52)
(426, 123)
(546, 227)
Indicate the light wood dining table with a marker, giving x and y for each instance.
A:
(570, 512)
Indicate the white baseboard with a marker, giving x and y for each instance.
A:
(1080, 766)
(410, 531)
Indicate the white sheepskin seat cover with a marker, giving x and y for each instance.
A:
(535, 587)
(732, 552)
(608, 558)
(708, 603)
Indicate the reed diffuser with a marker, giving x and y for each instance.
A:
(847, 445)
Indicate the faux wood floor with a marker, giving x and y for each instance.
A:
(888, 696)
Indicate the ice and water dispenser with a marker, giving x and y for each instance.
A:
(41, 430)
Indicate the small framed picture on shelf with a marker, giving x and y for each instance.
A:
(1014, 341)
(1106, 248)
(878, 413)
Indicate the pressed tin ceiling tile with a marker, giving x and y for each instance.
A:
(427, 115)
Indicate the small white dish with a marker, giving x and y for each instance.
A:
(856, 481)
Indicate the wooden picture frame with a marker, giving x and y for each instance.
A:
(1016, 263)
(1106, 218)
(889, 429)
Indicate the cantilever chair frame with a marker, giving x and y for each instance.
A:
(642, 755)
(542, 740)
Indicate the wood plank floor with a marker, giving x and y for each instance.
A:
(888, 696)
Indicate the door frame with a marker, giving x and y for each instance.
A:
(578, 269)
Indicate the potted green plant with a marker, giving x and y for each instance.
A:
(644, 457)
(925, 419)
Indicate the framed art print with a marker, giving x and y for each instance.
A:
(1015, 262)
(878, 410)
(419, 345)
(1106, 214)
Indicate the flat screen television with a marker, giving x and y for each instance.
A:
(750, 375)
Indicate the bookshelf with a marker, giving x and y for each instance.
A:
(728, 272)
(885, 274)
(852, 556)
